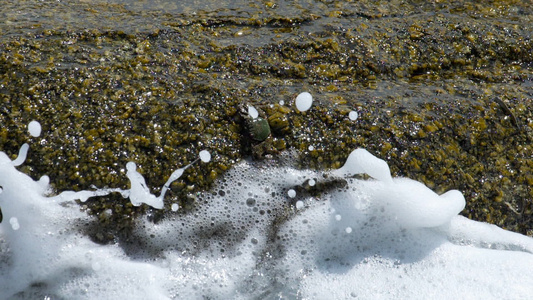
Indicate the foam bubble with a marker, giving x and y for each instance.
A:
(34, 128)
(205, 156)
(312, 182)
(174, 207)
(299, 204)
(304, 101)
(252, 112)
(311, 148)
(353, 115)
(291, 193)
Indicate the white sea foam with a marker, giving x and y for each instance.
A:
(261, 234)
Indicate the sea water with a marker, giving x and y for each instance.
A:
(265, 231)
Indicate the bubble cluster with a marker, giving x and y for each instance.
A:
(248, 198)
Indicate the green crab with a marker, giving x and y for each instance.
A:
(257, 128)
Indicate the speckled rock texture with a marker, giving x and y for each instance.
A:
(443, 90)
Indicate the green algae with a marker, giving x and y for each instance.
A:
(443, 92)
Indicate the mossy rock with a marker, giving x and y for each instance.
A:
(443, 92)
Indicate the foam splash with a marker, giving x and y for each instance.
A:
(360, 161)
(139, 193)
(410, 202)
(260, 234)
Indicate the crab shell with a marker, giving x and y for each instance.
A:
(259, 129)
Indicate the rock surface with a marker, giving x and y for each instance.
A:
(443, 92)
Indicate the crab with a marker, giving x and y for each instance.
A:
(258, 129)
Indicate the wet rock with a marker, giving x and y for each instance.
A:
(443, 92)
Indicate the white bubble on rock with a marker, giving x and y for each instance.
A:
(34, 128)
(174, 207)
(205, 156)
(252, 112)
(304, 101)
(353, 115)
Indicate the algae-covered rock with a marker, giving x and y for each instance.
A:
(443, 92)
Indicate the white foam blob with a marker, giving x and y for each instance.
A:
(311, 182)
(348, 229)
(421, 209)
(281, 102)
(299, 204)
(252, 112)
(304, 101)
(360, 161)
(291, 193)
(23, 152)
(34, 128)
(205, 156)
(311, 148)
(353, 115)
(338, 217)
(139, 192)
